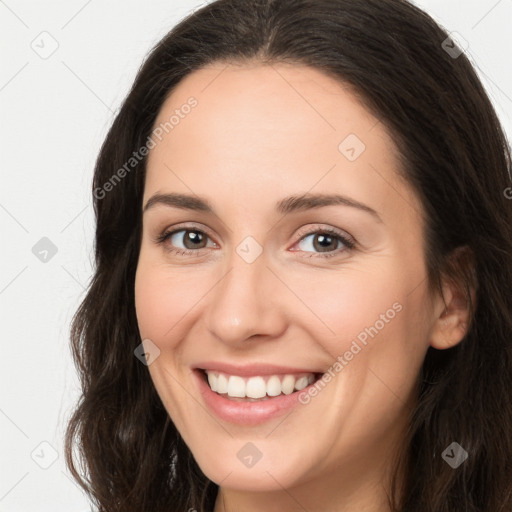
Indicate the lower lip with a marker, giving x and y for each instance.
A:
(246, 413)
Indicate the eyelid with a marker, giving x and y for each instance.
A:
(323, 228)
(345, 238)
(168, 231)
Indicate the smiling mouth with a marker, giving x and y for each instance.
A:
(256, 388)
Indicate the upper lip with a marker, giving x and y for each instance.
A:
(252, 369)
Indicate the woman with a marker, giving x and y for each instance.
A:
(303, 268)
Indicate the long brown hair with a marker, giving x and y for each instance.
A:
(121, 445)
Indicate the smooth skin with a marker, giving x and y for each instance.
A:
(258, 134)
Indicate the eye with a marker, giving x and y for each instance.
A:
(191, 241)
(328, 242)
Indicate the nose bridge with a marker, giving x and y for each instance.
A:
(241, 305)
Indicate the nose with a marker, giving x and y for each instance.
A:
(247, 302)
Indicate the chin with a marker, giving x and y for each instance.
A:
(264, 475)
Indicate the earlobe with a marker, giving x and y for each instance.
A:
(449, 329)
(452, 315)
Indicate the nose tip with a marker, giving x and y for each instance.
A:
(244, 304)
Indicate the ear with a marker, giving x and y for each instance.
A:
(452, 309)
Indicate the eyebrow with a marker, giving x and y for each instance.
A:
(284, 206)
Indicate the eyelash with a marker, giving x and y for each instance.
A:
(348, 242)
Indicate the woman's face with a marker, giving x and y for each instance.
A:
(310, 262)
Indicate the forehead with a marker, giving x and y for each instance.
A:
(270, 128)
(266, 102)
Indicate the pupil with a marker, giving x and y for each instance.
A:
(194, 237)
(325, 241)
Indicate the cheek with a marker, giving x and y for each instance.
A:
(371, 324)
(163, 299)
(334, 307)
(341, 306)
(150, 302)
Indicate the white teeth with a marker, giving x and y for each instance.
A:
(301, 383)
(257, 387)
(222, 383)
(288, 384)
(273, 386)
(236, 386)
(212, 380)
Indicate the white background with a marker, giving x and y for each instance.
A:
(54, 115)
